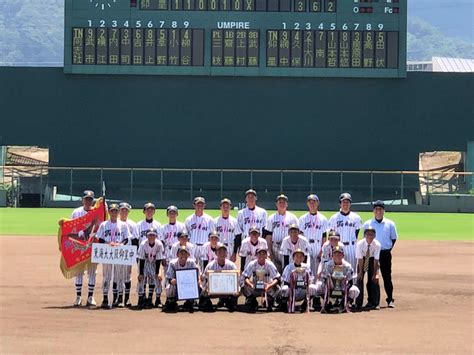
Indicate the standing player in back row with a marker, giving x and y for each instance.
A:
(314, 225)
(347, 224)
(87, 202)
(170, 232)
(228, 229)
(148, 223)
(277, 229)
(251, 216)
(199, 225)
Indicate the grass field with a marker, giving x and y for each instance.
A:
(411, 226)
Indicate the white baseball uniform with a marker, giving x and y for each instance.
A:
(269, 271)
(288, 247)
(227, 229)
(277, 225)
(313, 227)
(169, 236)
(143, 227)
(326, 254)
(347, 225)
(150, 254)
(92, 269)
(114, 232)
(199, 228)
(300, 287)
(248, 250)
(189, 246)
(248, 218)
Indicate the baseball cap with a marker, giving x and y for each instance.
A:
(251, 191)
(293, 226)
(199, 199)
(345, 196)
(182, 248)
(221, 246)
(334, 234)
(152, 231)
(125, 205)
(378, 203)
(214, 234)
(113, 206)
(299, 251)
(88, 194)
(183, 234)
(265, 249)
(368, 229)
(226, 200)
(338, 249)
(149, 205)
(171, 208)
(312, 197)
(254, 230)
(282, 197)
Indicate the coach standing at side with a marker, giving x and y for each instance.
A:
(386, 234)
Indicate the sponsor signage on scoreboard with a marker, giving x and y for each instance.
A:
(350, 38)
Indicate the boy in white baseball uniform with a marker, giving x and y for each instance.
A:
(183, 240)
(199, 225)
(87, 204)
(347, 224)
(251, 216)
(209, 249)
(277, 229)
(292, 242)
(150, 256)
(314, 225)
(250, 245)
(132, 229)
(113, 232)
(148, 223)
(261, 279)
(228, 229)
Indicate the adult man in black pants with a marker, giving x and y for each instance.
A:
(386, 234)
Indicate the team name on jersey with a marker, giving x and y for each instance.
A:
(203, 227)
(221, 229)
(308, 225)
(248, 220)
(278, 224)
(345, 224)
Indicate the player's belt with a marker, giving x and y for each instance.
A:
(226, 244)
(349, 243)
(278, 243)
(199, 245)
(311, 240)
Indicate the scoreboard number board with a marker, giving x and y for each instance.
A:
(301, 38)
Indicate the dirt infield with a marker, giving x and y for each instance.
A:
(433, 291)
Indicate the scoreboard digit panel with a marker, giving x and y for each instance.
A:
(314, 38)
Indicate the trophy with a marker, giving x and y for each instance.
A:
(338, 278)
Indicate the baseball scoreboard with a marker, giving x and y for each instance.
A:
(316, 38)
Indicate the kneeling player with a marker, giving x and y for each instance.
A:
(150, 255)
(336, 283)
(219, 264)
(298, 283)
(261, 279)
(182, 262)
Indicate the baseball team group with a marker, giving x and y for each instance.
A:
(287, 263)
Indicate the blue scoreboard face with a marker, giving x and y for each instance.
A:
(314, 38)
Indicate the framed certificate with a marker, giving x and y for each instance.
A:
(225, 282)
(187, 284)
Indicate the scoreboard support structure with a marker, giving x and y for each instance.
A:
(299, 38)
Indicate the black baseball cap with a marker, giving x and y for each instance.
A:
(251, 191)
(149, 205)
(226, 200)
(312, 197)
(254, 230)
(113, 206)
(265, 249)
(334, 234)
(378, 203)
(183, 234)
(125, 205)
(281, 197)
(345, 196)
(88, 194)
(199, 199)
(152, 231)
(214, 234)
(171, 208)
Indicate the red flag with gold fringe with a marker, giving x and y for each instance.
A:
(75, 238)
